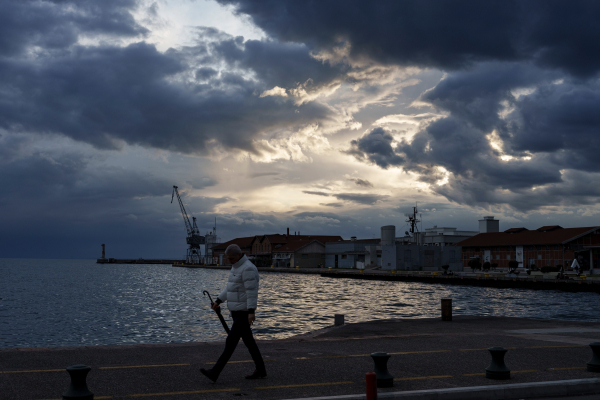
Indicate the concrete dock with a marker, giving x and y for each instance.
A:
(426, 355)
(495, 279)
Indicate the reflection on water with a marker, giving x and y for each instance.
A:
(79, 302)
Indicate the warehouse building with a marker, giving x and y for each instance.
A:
(353, 253)
(546, 246)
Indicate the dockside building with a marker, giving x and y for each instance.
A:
(546, 246)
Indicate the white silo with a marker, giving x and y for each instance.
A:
(388, 235)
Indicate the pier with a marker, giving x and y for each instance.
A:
(428, 355)
(494, 279)
(135, 261)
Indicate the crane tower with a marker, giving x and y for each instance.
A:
(194, 240)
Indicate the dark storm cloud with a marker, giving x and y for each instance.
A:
(476, 95)
(376, 148)
(205, 73)
(316, 193)
(360, 198)
(103, 94)
(446, 35)
(560, 120)
(278, 64)
(200, 183)
(189, 100)
(259, 174)
(57, 24)
(548, 128)
(75, 205)
(68, 177)
(313, 214)
(335, 205)
(361, 182)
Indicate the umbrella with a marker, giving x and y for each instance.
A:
(218, 312)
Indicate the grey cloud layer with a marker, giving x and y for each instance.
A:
(493, 50)
(101, 94)
(359, 198)
(446, 35)
(58, 24)
(188, 100)
(549, 131)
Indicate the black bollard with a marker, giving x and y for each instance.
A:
(384, 379)
(78, 389)
(594, 364)
(446, 309)
(497, 369)
(339, 319)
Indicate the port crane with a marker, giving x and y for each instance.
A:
(194, 240)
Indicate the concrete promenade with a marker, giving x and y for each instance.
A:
(427, 354)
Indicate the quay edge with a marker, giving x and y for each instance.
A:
(585, 284)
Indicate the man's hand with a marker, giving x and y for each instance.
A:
(215, 306)
(251, 319)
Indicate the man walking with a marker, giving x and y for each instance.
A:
(241, 294)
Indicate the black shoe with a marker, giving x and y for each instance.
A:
(257, 375)
(209, 374)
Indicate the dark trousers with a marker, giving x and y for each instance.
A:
(240, 329)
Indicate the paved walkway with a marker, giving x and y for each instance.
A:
(426, 354)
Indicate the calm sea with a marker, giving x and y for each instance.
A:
(80, 303)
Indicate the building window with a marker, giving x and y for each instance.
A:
(497, 256)
(538, 247)
(344, 256)
(465, 256)
(508, 256)
(304, 255)
(557, 247)
(539, 256)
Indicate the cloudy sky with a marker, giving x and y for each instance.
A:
(328, 117)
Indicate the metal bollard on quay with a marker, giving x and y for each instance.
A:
(338, 319)
(78, 389)
(594, 364)
(446, 309)
(497, 369)
(384, 378)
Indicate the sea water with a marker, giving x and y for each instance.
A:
(47, 303)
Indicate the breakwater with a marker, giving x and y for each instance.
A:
(135, 261)
(492, 279)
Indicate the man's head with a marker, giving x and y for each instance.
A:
(233, 253)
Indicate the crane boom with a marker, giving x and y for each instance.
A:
(186, 219)
(194, 240)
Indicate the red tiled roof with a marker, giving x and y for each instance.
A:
(549, 228)
(515, 230)
(276, 238)
(295, 245)
(525, 237)
(295, 242)
(242, 242)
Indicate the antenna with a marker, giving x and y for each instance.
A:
(413, 220)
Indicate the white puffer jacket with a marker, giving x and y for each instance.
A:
(241, 292)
